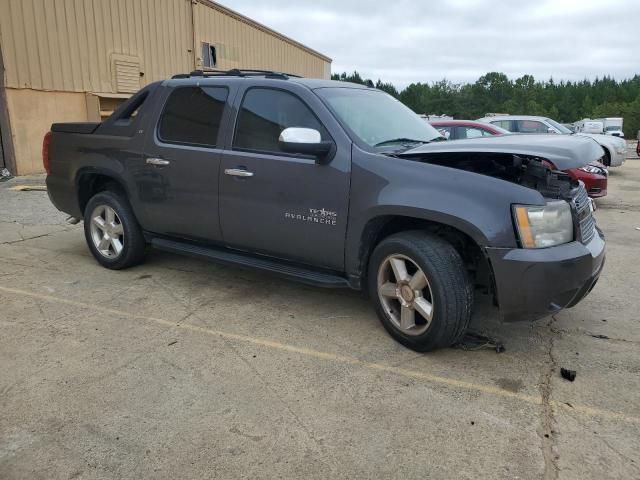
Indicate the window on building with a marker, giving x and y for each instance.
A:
(265, 113)
(192, 115)
(209, 56)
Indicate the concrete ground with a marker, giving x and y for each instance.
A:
(180, 368)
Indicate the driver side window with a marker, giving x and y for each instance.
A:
(265, 113)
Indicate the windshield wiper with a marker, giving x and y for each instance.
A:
(399, 140)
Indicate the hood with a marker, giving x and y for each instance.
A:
(564, 151)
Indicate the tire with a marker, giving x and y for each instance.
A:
(448, 290)
(119, 227)
(607, 157)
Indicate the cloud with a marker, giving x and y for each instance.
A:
(416, 41)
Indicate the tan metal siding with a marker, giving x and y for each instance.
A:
(241, 44)
(67, 44)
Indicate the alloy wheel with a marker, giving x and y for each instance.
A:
(107, 231)
(405, 294)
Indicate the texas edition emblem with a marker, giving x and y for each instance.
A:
(315, 215)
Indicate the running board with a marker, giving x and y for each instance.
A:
(220, 255)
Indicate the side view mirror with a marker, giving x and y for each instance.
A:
(551, 130)
(306, 141)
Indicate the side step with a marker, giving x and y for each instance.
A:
(220, 255)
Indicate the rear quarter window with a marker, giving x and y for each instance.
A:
(192, 116)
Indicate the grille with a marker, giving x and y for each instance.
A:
(585, 218)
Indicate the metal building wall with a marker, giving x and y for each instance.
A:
(67, 45)
(246, 44)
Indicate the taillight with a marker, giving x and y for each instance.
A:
(45, 152)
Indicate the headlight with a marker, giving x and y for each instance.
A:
(593, 169)
(540, 227)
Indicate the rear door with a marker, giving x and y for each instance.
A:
(178, 183)
(285, 205)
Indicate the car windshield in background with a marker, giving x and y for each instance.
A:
(561, 128)
(613, 127)
(377, 118)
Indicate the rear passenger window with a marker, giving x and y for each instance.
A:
(531, 126)
(506, 124)
(192, 116)
(265, 113)
(470, 132)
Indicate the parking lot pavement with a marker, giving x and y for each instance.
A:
(184, 369)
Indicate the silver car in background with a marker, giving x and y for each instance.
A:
(614, 147)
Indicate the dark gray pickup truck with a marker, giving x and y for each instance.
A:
(334, 184)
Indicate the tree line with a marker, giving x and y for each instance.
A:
(564, 101)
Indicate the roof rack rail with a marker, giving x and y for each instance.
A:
(236, 72)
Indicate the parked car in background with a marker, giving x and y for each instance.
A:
(612, 126)
(461, 129)
(615, 148)
(586, 125)
(593, 175)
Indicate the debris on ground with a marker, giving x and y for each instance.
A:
(594, 335)
(568, 374)
(172, 343)
(29, 188)
(476, 341)
(5, 175)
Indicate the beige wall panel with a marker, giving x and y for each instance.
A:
(241, 44)
(32, 112)
(67, 44)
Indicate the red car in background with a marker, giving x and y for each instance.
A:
(593, 175)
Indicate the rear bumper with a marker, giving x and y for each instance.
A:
(534, 283)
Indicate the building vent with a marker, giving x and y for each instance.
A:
(125, 73)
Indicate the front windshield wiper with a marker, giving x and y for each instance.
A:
(400, 140)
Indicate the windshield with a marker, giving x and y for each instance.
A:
(561, 128)
(613, 127)
(377, 118)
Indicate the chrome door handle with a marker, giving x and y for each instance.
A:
(238, 172)
(157, 161)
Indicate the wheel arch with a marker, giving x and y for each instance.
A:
(90, 181)
(468, 242)
(607, 155)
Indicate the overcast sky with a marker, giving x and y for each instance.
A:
(405, 41)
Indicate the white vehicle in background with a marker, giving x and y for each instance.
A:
(615, 148)
(586, 125)
(612, 126)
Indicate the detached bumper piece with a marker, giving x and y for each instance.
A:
(534, 283)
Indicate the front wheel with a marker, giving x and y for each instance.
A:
(112, 231)
(421, 290)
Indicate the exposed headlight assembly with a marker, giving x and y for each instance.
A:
(540, 227)
(593, 169)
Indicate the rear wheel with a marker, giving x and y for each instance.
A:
(112, 231)
(421, 290)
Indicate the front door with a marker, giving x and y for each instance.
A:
(178, 183)
(279, 204)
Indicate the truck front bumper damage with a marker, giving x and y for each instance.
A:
(534, 283)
